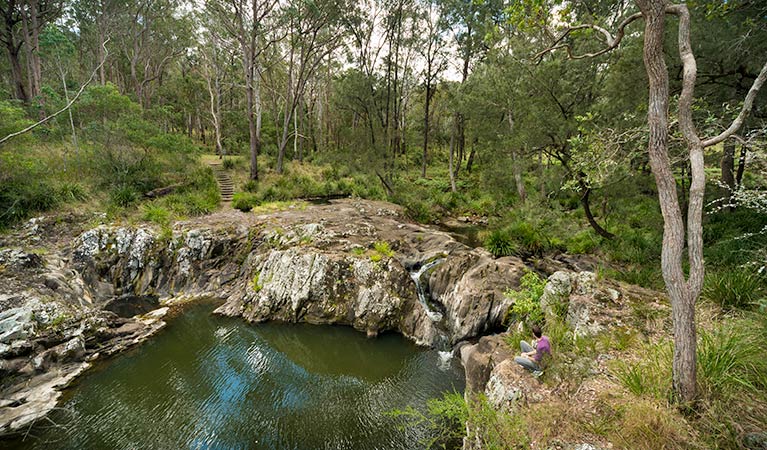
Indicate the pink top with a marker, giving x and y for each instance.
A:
(543, 346)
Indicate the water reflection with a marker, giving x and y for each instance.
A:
(211, 382)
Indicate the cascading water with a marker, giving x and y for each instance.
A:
(423, 290)
(433, 312)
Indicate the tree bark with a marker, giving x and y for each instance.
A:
(741, 165)
(586, 203)
(728, 172)
(452, 153)
(426, 124)
(682, 300)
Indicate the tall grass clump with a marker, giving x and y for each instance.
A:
(448, 419)
(499, 243)
(732, 379)
(735, 288)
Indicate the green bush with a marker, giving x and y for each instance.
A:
(228, 164)
(24, 188)
(732, 363)
(250, 186)
(383, 249)
(156, 214)
(12, 119)
(72, 192)
(245, 201)
(527, 300)
(447, 420)
(499, 243)
(736, 288)
(583, 242)
(123, 196)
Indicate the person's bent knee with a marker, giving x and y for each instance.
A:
(526, 363)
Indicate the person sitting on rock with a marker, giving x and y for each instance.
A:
(532, 356)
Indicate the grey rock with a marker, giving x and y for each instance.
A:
(556, 292)
(755, 441)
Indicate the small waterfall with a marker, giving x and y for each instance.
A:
(442, 344)
(423, 290)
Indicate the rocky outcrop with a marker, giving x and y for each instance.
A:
(585, 305)
(348, 263)
(317, 265)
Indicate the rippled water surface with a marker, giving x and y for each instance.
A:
(213, 382)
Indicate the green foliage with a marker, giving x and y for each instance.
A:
(250, 186)
(735, 288)
(72, 192)
(228, 164)
(12, 119)
(123, 195)
(245, 201)
(447, 419)
(383, 248)
(732, 363)
(24, 188)
(527, 305)
(499, 243)
(157, 214)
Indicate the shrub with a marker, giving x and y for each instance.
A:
(527, 305)
(24, 188)
(12, 119)
(228, 164)
(250, 186)
(72, 192)
(445, 419)
(582, 243)
(383, 248)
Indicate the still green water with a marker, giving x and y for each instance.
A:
(219, 383)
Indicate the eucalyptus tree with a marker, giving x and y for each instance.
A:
(96, 21)
(434, 59)
(213, 69)
(59, 53)
(683, 290)
(470, 23)
(22, 22)
(254, 25)
(314, 32)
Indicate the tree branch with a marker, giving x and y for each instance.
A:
(748, 104)
(611, 41)
(69, 105)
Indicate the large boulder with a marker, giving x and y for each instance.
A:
(470, 286)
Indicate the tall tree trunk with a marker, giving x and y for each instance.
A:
(728, 171)
(515, 164)
(452, 153)
(250, 95)
(682, 298)
(472, 153)
(741, 165)
(426, 126)
(16, 71)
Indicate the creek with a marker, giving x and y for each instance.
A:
(213, 382)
